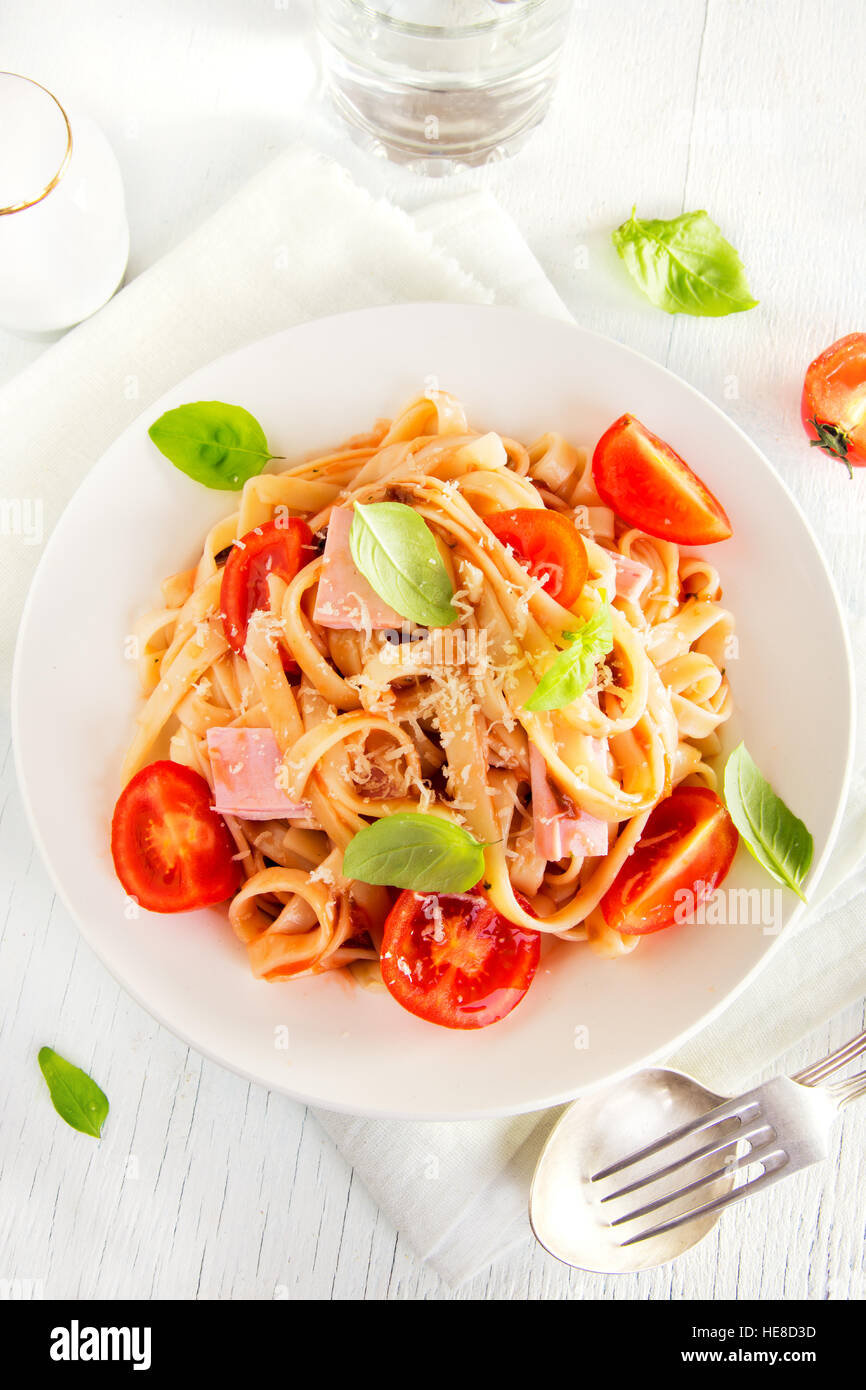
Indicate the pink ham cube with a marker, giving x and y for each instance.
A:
(559, 832)
(345, 599)
(246, 766)
(632, 576)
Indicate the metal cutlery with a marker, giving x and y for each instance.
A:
(603, 1201)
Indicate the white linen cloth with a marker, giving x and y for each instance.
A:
(299, 242)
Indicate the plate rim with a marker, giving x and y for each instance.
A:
(446, 308)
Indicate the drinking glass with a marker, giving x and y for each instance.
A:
(439, 84)
(64, 238)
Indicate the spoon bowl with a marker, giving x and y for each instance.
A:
(567, 1211)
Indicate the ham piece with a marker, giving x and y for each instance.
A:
(246, 764)
(559, 832)
(632, 576)
(345, 600)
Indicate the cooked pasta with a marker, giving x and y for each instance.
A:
(369, 720)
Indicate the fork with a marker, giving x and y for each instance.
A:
(783, 1126)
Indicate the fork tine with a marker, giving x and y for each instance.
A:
(766, 1179)
(740, 1107)
(756, 1155)
(751, 1132)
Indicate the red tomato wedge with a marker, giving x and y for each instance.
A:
(171, 850)
(452, 959)
(646, 482)
(687, 847)
(834, 401)
(549, 545)
(278, 547)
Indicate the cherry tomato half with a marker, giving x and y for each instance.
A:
(646, 482)
(549, 545)
(452, 959)
(687, 846)
(278, 547)
(834, 400)
(171, 850)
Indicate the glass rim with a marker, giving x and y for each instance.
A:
(64, 163)
(445, 31)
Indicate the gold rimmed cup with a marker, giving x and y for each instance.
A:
(64, 237)
(51, 181)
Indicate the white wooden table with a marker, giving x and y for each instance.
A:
(206, 1186)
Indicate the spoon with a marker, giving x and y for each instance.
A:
(565, 1210)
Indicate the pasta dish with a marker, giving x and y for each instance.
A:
(431, 698)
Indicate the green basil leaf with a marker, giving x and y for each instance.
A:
(772, 833)
(417, 851)
(216, 444)
(571, 672)
(396, 552)
(684, 265)
(74, 1095)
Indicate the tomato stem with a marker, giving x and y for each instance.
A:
(833, 440)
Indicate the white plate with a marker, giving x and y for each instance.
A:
(136, 519)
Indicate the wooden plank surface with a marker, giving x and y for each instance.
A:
(206, 1186)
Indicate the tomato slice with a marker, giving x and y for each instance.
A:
(687, 846)
(646, 482)
(834, 400)
(279, 547)
(171, 850)
(549, 545)
(452, 959)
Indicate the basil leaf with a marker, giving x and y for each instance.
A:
(571, 672)
(216, 444)
(414, 850)
(684, 265)
(74, 1095)
(396, 552)
(772, 833)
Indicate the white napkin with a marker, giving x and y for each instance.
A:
(301, 241)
